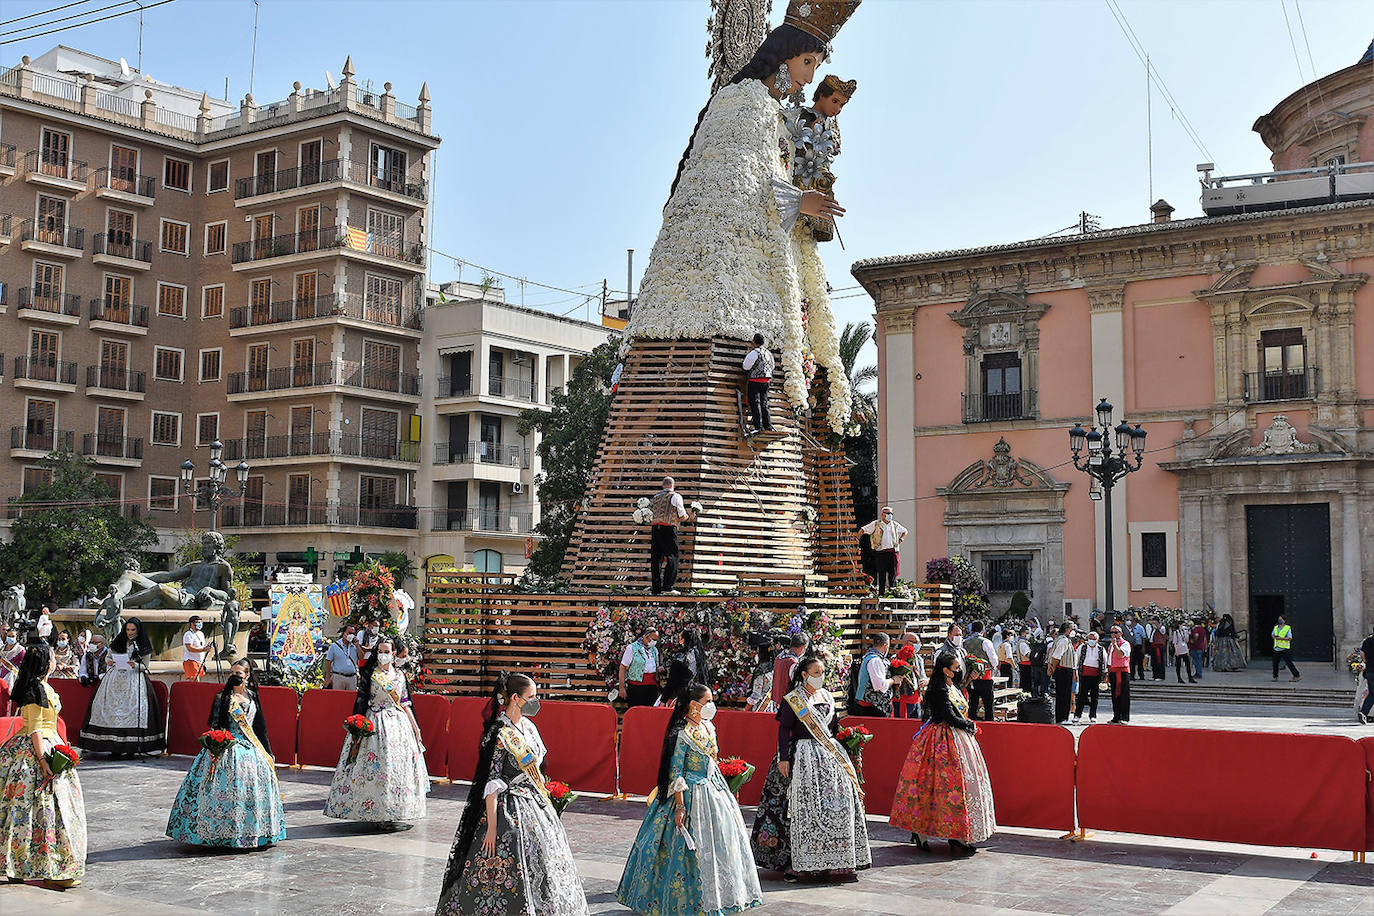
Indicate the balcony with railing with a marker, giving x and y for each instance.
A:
(504, 523)
(135, 253)
(377, 448)
(117, 315)
(1259, 387)
(320, 444)
(123, 186)
(7, 158)
(449, 519)
(479, 452)
(53, 238)
(43, 167)
(323, 173)
(375, 516)
(372, 379)
(40, 438)
(120, 448)
(989, 408)
(65, 308)
(251, 514)
(6, 224)
(328, 240)
(453, 386)
(282, 311)
(283, 378)
(117, 382)
(45, 372)
(519, 389)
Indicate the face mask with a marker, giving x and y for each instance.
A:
(372, 630)
(708, 712)
(1092, 640)
(234, 680)
(9, 640)
(531, 707)
(348, 637)
(383, 658)
(197, 624)
(815, 681)
(61, 644)
(958, 677)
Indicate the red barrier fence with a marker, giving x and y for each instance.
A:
(883, 758)
(1031, 768)
(580, 738)
(464, 736)
(1241, 787)
(320, 733)
(280, 707)
(75, 701)
(188, 715)
(1367, 745)
(641, 742)
(751, 736)
(431, 714)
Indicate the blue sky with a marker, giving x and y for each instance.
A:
(563, 121)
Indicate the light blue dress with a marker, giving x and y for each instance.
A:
(663, 875)
(230, 801)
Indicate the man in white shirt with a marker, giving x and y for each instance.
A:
(979, 685)
(1023, 658)
(43, 626)
(759, 365)
(1092, 671)
(193, 649)
(872, 677)
(639, 670)
(1063, 659)
(668, 512)
(887, 536)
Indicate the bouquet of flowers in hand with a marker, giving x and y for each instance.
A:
(60, 759)
(854, 737)
(736, 772)
(902, 669)
(216, 740)
(1354, 662)
(643, 514)
(359, 727)
(560, 795)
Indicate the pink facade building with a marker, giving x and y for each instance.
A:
(1242, 341)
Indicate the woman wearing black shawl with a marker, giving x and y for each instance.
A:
(510, 855)
(232, 798)
(124, 717)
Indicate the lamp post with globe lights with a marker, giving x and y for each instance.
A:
(214, 490)
(1105, 466)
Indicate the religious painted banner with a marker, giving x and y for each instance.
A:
(298, 617)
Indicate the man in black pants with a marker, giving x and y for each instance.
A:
(979, 685)
(668, 511)
(759, 365)
(1063, 659)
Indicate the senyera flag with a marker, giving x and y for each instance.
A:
(337, 594)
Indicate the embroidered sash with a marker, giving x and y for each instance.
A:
(388, 683)
(703, 740)
(812, 721)
(239, 713)
(516, 745)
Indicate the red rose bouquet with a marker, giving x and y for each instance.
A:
(854, 738)
(60, 759)
(216, 740)
(902, 669)
(358, 728)
(560, 795)
(736, 772)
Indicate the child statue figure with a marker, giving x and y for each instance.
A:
(816, 145)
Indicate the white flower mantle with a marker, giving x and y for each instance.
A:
(723, 265)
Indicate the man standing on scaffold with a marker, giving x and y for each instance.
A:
(668, 512)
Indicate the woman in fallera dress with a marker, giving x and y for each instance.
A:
(510, 856)
(692, 853)
(42, 817)
(385, 780)
(232, 799)
(944, 789)
(1226, 654)
(125, 718)
(810, 821)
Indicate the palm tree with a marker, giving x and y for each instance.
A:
(853, 339)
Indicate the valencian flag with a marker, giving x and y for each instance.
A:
(358, 239)
(337, 595)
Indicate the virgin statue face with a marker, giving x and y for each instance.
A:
(803, 71)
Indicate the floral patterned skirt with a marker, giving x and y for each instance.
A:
(1226, 655)
(43, 832)
(532, 873)
(812, 821)
(664, 878)
(944, 789)
(232, 801)
(387, 781)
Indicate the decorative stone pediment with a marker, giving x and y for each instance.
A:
(1280, 439)
(1001, 472)
(997, 306)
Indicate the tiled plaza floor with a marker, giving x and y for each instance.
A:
(341, 869)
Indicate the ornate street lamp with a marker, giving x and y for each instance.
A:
(1105, 465)
(213, 490)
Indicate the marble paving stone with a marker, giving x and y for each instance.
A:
(333, 868)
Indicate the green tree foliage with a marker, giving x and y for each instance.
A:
(862, 449)
(71, 542)
(571, 435)
(401, 565)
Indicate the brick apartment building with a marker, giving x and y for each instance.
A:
(176, 270)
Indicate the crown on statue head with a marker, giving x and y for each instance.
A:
(821, 18)
(845, 88)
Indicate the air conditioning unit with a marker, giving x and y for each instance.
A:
(517, 488)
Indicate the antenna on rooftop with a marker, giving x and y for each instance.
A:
(140, 41)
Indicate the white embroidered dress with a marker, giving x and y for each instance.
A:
(731, 260)
(387, 780)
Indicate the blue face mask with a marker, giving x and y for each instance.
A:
(197, 624)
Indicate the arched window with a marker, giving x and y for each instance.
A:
(487, 561)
